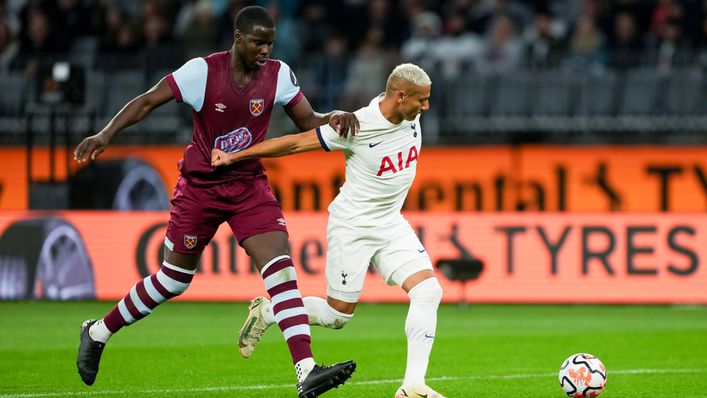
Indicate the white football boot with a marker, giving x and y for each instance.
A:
(253, 328)
(417, 392)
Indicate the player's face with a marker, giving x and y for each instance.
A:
(254, 48)
(415, 101)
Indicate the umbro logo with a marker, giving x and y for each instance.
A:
(220, 107)
(371, 145)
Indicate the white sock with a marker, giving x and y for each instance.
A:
(99, 332)
(322, 314)
(268, 313)
(303, 368)
(420, 327)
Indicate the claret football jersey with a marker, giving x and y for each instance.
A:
(381, 161)
(227, 116)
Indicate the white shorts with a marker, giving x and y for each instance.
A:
(394, 250)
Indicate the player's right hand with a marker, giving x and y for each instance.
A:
(219, 158)
(91, 147)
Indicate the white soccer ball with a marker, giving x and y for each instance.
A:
(582, 375)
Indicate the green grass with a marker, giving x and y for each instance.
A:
(188, 350)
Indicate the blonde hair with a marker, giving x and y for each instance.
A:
(412, 73)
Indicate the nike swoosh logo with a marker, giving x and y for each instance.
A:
(371, 145)
(420, 250)
(429, 337)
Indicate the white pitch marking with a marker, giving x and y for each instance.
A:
(364, 382)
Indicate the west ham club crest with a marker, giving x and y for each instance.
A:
(256, 106)
(190, 241)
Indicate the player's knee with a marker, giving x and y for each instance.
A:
(337, 319)
(174, 279)
(428, 290)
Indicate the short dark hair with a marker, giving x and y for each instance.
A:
(252, 16)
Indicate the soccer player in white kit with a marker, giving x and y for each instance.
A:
(365, 223)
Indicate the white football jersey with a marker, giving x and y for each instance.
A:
(381, 161)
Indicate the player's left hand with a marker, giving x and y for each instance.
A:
(219, 158)
(344, 123)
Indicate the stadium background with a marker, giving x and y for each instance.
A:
(565, 150)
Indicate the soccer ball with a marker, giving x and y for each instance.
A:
(582, 375)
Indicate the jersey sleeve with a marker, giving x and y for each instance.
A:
(188, 83)
(287, 92)
(330, 139)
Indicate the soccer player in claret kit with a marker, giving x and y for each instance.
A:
(232, 94)
(365, 224)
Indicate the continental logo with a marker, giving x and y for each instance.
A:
(644, 258)
(479, 179)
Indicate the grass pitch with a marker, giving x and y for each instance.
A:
(188, 350)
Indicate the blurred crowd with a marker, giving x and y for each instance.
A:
(346, 47)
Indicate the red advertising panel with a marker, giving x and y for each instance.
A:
(500, 178)
(528, 257)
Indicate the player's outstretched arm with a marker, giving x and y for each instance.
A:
(132, 112)
(305, 118)
(272, 148)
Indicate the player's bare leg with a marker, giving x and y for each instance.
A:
(270, 253)
(420, 328)
(171, 280)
